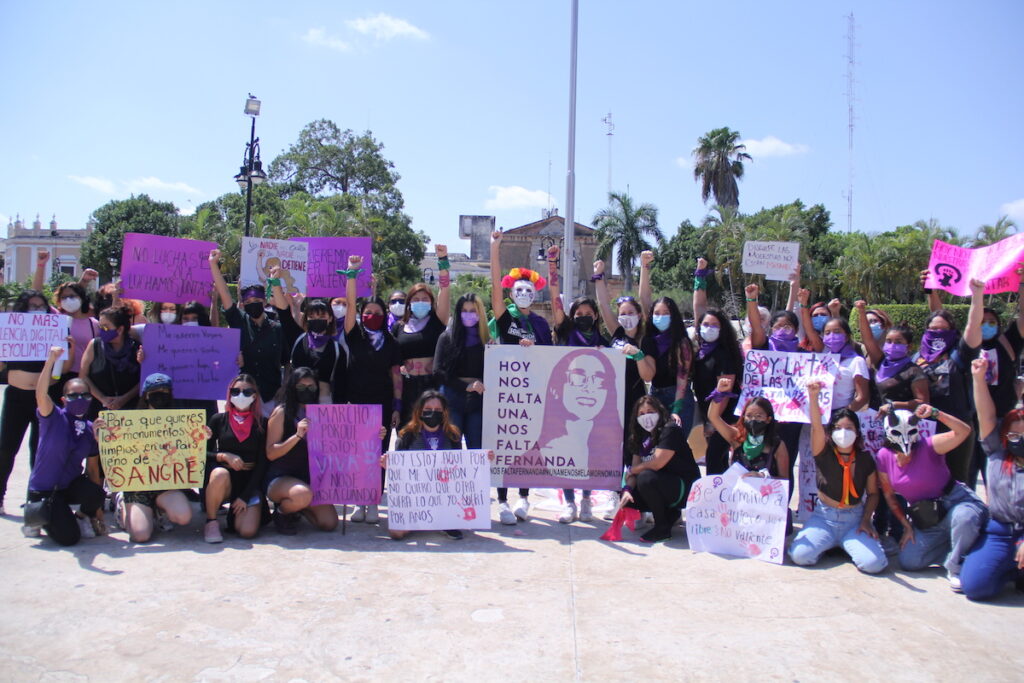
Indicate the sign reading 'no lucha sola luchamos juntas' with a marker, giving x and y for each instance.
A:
(553, 416)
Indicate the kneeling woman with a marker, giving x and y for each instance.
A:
(754, 442)
(428, 429)
(288, 458)
(236, 460)
(663, 468)
(847, 493)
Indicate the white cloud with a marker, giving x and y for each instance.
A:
(685, 162)
(1014, 210)
(151, 183)
(319, 38)
(4, 220)
(386, 27)
(515, 197)
(99, 184)
(188, 210)
(771, 146)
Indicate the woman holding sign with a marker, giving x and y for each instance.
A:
(754, 441)
(847, 493)
(287, 477)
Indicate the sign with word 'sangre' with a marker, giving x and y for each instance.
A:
(153, 450)
(438, 490)
(344, 454)
(774, 260)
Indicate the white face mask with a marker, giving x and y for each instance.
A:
(648, 421)
(71, 304)
(191, 323)
(709, 334)
(629, 322)
(242, 402)
(524, 294)
(339, 311)
(844, 438)
(168, 318)
(397, 310)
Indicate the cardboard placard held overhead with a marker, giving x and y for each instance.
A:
(774, 260)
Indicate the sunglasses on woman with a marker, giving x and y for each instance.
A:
(76, 396)
(235, 391)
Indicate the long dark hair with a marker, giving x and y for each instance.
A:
(837, 415)
(457, 333)
(21, 303)
(257, 404)
(76, 289)
(637, 434)
(681, 348)
(726, 335)
(287, 395)
(416, 425)
(568, 325)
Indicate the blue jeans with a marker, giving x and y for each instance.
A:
(948, 542)
(829, 527)
(570, 495)
(992, 561)
(667, 396)
(470, 423)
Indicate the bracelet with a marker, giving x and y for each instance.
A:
(935, 412)
(443, 263)
(751, 301)
(699, 283)
(596, 276)
(638, 356)
(274, 281)
(719, 396)
(677, 406)
(445, 280)
(351, 272)
(703, 272)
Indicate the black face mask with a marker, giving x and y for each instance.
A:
(307, 394)
(432, 418)
(755, 427)
(584, 323)
(159, 400)
(318, 325)
(254, 309)
(1016, 448)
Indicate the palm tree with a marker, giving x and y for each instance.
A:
(990, 234)
(718, 163)
(723, 233)
(624, 226)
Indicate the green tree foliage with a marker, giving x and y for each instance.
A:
(624, 227)
(718, 164)
(990, 234)
(115, 218)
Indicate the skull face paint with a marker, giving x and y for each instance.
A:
(523, 293)
(902, 430)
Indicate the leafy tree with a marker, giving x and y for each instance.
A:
(624, 226)
(718, 165)
(990, 234)
(115, 218)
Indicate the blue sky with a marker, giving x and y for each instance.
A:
(100, 100)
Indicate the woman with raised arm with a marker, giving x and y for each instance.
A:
(998, 555)
(110, 363)
(847, 492)
(374, 366)
(754, 441)
(517, 324)
(72, 300)
(459, 367)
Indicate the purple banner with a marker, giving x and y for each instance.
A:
(166, 269)
(344, 454)
(328, 254)
(200, 360)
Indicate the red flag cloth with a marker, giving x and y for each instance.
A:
(624, 516)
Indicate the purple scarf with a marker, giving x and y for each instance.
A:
(663, 341)
(934, 343)
(777, 343)
(706, 349)
(316, 341)
(577, 338)
(414, 324)
(472, 336)
(891, 368)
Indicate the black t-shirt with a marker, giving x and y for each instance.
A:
(369, 369)
(263, 350)
(949, 384)
(512, 330)
(420, 344)
(252, 451)
(663, 374)
(1004, 374)
(830, 475)
(634, 383)
(327, 361)
(899, 386)
(682, 463)
(766, 459)
(706, 372)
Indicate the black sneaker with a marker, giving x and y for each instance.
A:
(656, 535)
(454, 534)
(286, 524)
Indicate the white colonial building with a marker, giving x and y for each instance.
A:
(22, 246)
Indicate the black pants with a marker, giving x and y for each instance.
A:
(19, 414)
(503, 494)
(661, 493)
(789, 434)
(63, 526)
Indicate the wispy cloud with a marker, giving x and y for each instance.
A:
(318, 37)
(771, 146)
(99, 184)
(685, 162)
(386, 27)
(515, 197)
(151, 183)
(1014, 210)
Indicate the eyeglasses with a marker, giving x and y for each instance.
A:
(580, 379)
(76, 396)
(235, 391)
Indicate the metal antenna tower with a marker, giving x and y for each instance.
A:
(851, 61)
(611, 128)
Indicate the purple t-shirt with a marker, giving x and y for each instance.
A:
(64, 442)
(925, 476)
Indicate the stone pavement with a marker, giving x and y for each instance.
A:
(539, 601)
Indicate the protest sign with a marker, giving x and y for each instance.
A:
(952, 268)
(782, 378)
(259, 255)
(344, 454)
(438, 490)
(873, 429)
(774, 260)
(330, 254)
(732, 514)
(166, 269)
(200, 360)
(554, 416)
(153, 450)
(29, 336)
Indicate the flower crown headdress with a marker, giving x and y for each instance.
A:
(517, 274)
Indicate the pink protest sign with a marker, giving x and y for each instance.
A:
(166, 269)
(952, 268)
(330, 254)
(344, 454)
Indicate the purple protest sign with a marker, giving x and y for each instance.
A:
(344, 454)
(952, 268)
(329, 254)
(166, 269)
(200, 360)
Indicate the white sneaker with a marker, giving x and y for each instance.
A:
(609, 514)
(31, 531)
(162, 523)
(522, 510)
(211, 532)
(586, 510)
(119, 509)
(359, 514)
(372, 514)
(568, 513)
(505, 514)
(85, 527)
(954, 583)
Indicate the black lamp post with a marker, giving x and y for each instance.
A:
(113, 267)
(251, 172)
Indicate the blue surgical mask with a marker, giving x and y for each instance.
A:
(876, 331)
(989, 331)
(819, 322)
(661, 321)
(420, 309)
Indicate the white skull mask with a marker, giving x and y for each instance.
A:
(901, 429)
(523, 293)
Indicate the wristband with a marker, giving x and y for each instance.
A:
(699, 283)
(719, 396)
(596, 276)
(396, 405)
(703, 272)
(935, 412)
(677, 406)
(274, 281)
(639, 355)
(751, 301)
(443, 263)
(445, 280)
(351, 272)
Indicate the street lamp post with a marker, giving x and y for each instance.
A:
(251, 172)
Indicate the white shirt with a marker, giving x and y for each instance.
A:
(849, 368)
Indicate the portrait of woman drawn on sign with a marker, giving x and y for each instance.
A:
(581, 412)
(265, 265)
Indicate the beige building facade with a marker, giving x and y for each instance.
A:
(23, 244)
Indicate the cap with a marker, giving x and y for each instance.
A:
(157, 380)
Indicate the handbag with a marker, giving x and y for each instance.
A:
(39, 513)
(924, 514)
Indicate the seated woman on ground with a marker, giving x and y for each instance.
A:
(754, 442)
